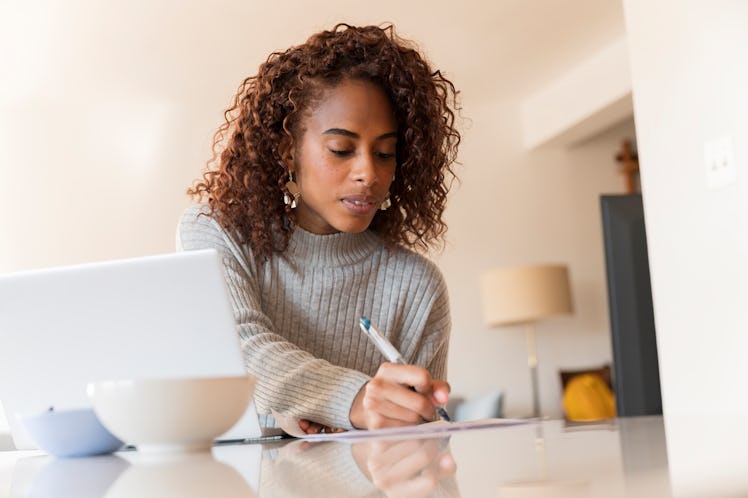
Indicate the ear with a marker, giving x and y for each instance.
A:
(286, 152)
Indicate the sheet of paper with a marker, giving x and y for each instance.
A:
(430, 429)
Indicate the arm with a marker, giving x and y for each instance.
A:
(388, 400)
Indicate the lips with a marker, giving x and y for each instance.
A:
(360, 204)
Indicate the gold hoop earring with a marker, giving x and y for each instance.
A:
(292, 195)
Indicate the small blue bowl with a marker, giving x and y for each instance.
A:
(70, 433)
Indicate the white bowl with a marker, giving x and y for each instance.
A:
(167, 415)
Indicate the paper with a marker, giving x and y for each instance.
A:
(291, 426)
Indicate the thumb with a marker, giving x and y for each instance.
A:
(440, 395)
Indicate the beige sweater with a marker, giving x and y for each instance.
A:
(297, 314)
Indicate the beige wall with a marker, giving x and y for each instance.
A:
(106, 113)
(690, 80)
(516, 207)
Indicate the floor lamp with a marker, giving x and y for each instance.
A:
(524, 295)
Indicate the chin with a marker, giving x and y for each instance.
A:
(356, 226)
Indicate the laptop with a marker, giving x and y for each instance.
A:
(157, 316)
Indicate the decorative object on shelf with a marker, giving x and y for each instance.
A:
(629, 160)
(524, 295)
(587, 394)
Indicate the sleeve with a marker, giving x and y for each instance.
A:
(431, 348)
(290, 380)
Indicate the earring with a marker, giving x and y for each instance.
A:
(385, 203)
(292, 195)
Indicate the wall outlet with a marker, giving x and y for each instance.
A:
(719, 161)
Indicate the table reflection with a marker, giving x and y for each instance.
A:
(374, 468)
(621, 459)
(46, 476)
(187, 475)
(408, 468)
(545, 489)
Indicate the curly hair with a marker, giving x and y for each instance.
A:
(245, 178)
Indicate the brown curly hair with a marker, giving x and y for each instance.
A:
(244, 188)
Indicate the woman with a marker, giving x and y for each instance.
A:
(335, 160)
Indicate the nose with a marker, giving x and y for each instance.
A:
(364, 171)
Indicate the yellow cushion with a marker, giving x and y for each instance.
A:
(587, 397)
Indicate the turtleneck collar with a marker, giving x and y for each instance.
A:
(337, 249)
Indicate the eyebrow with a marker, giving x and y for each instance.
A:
(348, 133)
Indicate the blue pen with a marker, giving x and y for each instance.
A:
(391, 353)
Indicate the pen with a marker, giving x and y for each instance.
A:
(391, 353)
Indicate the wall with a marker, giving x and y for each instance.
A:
(690, 81)
(107, 111)
(515, 207)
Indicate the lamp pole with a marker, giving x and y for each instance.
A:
(532, 362)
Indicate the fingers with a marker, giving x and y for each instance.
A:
(396, 402)
(407, 375)
(398, 395)
(440, 392)
(390, 401)
(418, 378)
(310, 427)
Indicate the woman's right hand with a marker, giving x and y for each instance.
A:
(398, 395)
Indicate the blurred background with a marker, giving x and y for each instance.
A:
(107, 111)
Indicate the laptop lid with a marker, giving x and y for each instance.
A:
(156, 316)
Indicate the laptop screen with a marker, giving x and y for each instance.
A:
(149, 317)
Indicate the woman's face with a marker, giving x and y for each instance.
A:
(345, 159)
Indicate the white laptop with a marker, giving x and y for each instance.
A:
(156, 316)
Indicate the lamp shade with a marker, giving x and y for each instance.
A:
(520, 294)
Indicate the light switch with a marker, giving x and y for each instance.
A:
(719, 160)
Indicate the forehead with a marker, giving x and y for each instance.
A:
(356, 105)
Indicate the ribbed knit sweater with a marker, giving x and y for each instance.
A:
(297, 314)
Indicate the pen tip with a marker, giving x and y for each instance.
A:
(365, 322)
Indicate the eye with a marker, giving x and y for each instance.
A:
(384, 155)
(341, 152)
